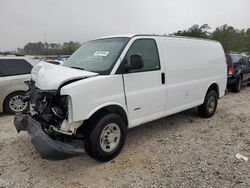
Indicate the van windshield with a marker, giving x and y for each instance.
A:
(97, 55)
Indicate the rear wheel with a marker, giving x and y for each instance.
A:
(106, 138)
(14, 103)
(238, 85)
(208, 108)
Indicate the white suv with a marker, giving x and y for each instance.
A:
(13, 72)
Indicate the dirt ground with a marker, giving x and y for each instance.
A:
(182, 150)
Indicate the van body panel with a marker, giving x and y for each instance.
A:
(91, 94)
(52, 76)
(190, 67)
(144, 91)
(149, 78)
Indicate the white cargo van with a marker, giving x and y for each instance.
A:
(111, 84)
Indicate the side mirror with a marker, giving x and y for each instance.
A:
(136, 62)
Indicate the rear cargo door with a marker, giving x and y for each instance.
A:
(145, 88)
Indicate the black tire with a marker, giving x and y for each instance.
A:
(207, 110)
(7, 103)
(93, 136)
(238, 85)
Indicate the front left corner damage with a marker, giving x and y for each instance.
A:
(47, 147)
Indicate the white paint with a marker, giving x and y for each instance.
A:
(190, 67)
(50, 76)
(89, 95)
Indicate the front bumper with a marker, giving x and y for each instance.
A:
(47, 147)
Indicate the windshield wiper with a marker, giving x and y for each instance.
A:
(77, 68)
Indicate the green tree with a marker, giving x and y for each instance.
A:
(39, 48)
(232, 39)
(227, 36)
(195, 31)
(34, 48)
(247, 40)
(70, 47)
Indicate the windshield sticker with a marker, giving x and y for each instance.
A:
(101, 53)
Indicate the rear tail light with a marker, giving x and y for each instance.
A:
(231, 70)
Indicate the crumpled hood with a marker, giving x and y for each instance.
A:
(49, 76)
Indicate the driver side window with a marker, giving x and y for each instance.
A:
(147, 49)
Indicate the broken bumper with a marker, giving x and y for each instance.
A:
(46, 146)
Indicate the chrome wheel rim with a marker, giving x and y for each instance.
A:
(110, 137)
(211, 104)
(16, 103)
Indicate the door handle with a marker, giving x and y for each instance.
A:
(163, 78)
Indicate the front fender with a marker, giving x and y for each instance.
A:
(91, 94)
(107, 105)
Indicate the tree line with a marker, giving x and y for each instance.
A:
(232, 39)
(40, 48)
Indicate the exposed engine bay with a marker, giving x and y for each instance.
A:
(48, 116)
(50, 109)
(47, 106)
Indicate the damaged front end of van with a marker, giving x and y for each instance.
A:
(49, 123)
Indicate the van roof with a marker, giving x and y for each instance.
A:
(155, 35)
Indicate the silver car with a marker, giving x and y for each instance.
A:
(13, 72)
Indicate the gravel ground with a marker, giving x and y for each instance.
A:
(182, 150)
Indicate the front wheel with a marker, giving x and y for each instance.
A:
(106, 138)
(208, 108)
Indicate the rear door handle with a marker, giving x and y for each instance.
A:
(163, 78)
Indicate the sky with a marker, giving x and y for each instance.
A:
(23, 21)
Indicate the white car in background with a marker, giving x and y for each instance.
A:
(13, 72)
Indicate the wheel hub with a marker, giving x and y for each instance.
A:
(211, 104)
(16, 103)
(110, 137)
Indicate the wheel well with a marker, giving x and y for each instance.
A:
(214, 87)
(110, 109)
